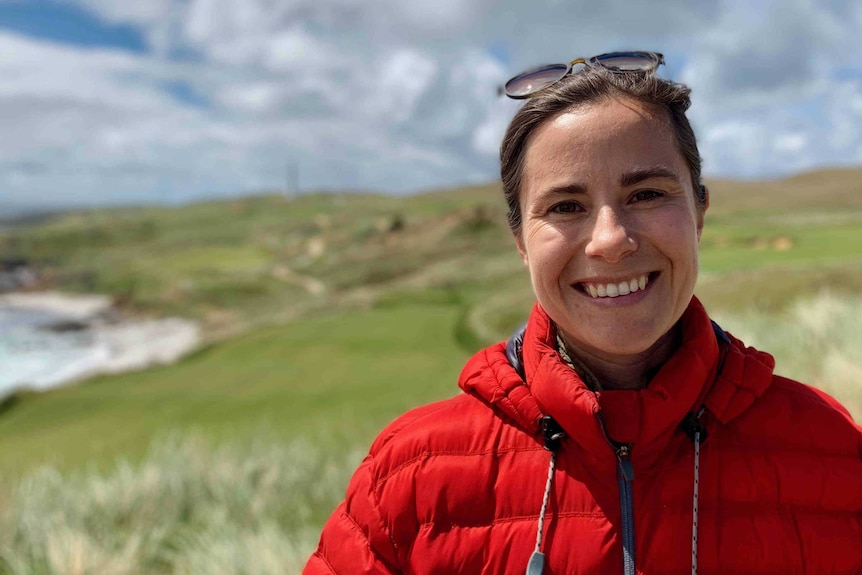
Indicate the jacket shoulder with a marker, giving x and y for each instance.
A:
(433, 465)
(794, 447)
(459, 425)
(793, 416)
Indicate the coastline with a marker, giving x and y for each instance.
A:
(91, 338)
(73, 307)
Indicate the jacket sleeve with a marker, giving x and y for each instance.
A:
(355, 539)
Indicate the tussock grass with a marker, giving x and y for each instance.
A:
(187, 508)
(815, 340)
(192, 506)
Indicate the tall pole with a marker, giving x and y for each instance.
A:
(292, 180)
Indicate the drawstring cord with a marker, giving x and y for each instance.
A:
(698, 430)
(537, 560)
(553, 435)
(545, 501)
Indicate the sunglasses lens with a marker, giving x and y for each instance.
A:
(532, 81)
(627, 61)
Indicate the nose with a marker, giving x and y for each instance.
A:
(611, 239)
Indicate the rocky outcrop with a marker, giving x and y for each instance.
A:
(17, 274)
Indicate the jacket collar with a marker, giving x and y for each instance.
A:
(727, 379)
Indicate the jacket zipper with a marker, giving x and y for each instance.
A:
(625, 478)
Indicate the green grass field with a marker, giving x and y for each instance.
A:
(342, 374)
(325, 317)
(343, 310)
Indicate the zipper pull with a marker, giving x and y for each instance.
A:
(624, 458)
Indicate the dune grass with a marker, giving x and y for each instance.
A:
(188, 507)
(815, 340)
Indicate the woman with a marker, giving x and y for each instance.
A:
(622, 431)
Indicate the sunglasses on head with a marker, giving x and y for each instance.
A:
(534, 80)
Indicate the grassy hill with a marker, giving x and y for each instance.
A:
(238, 264)
(289, 289)
(325, 317)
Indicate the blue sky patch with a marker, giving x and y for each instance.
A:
(184, 93)
(500, 51)
(60, 22)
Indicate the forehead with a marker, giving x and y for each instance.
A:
(601, 140)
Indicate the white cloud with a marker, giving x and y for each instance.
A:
(790, 143)
(51, 71)
(253, 97)
(392, 88)
(489, 134)
(398, 95)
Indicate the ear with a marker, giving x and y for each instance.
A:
(519, 241)
(701, 211)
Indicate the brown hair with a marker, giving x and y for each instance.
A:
(586, 87)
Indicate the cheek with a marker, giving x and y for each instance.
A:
(677, 232)
(546, 257)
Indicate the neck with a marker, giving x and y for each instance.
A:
(627, 371)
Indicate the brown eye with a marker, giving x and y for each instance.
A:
(646, 195)
(566, 208)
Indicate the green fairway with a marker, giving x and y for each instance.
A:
(345, 375)
(335, 313)
(325, 317)
(766, 240)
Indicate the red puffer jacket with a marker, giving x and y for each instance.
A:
(457, 487)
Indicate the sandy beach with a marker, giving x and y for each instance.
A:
(73, 307)
(102, 340)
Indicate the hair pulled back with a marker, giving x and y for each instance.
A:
(591, 86)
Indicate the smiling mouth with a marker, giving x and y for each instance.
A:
(617, 289)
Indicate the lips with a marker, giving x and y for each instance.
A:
(616, 288)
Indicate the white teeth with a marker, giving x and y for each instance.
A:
(617, 289)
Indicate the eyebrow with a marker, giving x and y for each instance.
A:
(567, 189)
(629, 178)
(639, 175)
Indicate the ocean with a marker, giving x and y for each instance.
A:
(34, 357)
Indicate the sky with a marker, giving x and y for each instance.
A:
(171, 101)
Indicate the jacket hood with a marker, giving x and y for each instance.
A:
(725, 378)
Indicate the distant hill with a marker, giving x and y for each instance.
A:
(832, 189)
(235, 264)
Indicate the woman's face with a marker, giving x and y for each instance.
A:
(610, 226)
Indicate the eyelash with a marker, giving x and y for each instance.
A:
(556, 208)
(641, 196)
(653, 195)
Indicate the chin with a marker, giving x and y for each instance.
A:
(617, 343)
(628, 348)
